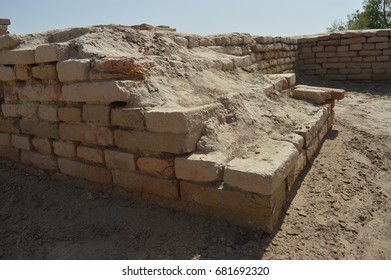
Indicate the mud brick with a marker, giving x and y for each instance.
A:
(38, 161)
(318, 96)
(24, 110)
(42, 145)
(353, 41)
(9, 153)
(9, 41)
(90, 154)
(5, 139)
(356, 47)
(48, 112)
(120, 160)
(69, 114)
(383, 58)
(343, 54)
(44, 72)
(358, 65)
(378, 39)
(84, 171)
(333, 65)
(7, 74)
(20, 142)
(39, 93)
(369, 58)
(50, 53)
(17, 57)
(325, 54)
(299, 166)
(370, 53)
(200, 167)
(146, 184)
(343, 48)
(23, 72)
(382, 46)
(384, 65)
(263, 174)
(310, 131)
(88, 134)
(312, 148)
(329, 43)
(330, 49)
(335, 77)
(99, 114)
(369, 46)
(387, 52)
(359, 76)
(73, 70)
(9, 125)
(128, 117)
(156, 166)
(40, 128)
(318, 49)
(357, 59)
(156, 142)
(64, 149)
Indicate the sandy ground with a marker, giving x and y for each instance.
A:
(340, 208)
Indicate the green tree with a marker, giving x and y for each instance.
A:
(376, 14)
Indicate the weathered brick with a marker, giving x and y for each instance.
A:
(23, 72)
(17, 57)
(325, 54)
(383, 58)
(42, 145)
(343, 48)
(310, 130)
(359, 76)
(330, 49)
(156, 142)
(99, 114)
(73, 70)
(24, 110)
(352, 41)
(200, 167)
(44, 72)
(318, 96)
(38, 161)
(181, 121)
(333, 65)
(128, 117)
(9, 153)
(87, 134)
(120, 160)
(342, 54)
(378, 39)
(69, 114)
(369, 46)
(356, 47)
(102, 93)
(7, 74)
(387, 52)
(263, 174)
(358, 65)
(50, 53)
(5, 139)
(48, 112)
(9, 41)
(84, 171)
(146, 184)
(90, 154)
(329, 43)
(39, 93)
(156, 166)
(64, 149)
(369, 58)
(20, 142)
(370, 52)
(9, 125)
(40, 128)
(299, 166)
(382, 46)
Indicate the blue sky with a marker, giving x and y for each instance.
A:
(275, 17)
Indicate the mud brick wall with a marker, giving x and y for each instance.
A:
(361, 55)
(268, 55)
(4, 26)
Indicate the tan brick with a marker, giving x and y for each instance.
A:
(48, 112)
(353, 41)
(120, 160)
(318, 96)
(90, 154)
(146, 184)
(200, 167)
(9, 153)
(263, 174)
(20, 142)
(23, 72)
(87, 134)
(102, 93)
(17, 57)
(69, 114)
(64, 149)
(5, 139)
(329, 43)
(38, 161)
(156, 166)
(9, 125)
(128, 117)
(312, 148)
(73, 70)
(299, 166)
(50, 53)
(156, 142)
(44, 129)
(7, 74)
(44, 72)
(9, 41)
(181, 121)
(42, 145)
(39, 93)
(84, 171)
(24, 110)
(99, 114)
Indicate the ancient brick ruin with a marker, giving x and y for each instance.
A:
(121, 120)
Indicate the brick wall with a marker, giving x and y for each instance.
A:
(4, 26)
(361, 55)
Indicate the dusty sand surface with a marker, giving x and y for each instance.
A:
(340, 208)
